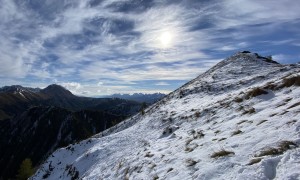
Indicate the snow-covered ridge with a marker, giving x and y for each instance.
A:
(239, 120)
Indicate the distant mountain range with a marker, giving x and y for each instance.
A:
(16, 99)
(139, 97)
(34, 122)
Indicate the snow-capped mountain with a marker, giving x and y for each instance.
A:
(18, 89)
(238, 120)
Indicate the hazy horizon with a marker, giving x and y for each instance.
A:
(96, 48)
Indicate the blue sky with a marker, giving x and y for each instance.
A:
(98, 47)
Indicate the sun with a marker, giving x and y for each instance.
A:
(166, 39)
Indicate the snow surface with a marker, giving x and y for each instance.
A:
(177, 136)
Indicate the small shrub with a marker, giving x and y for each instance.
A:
(291, 122)
(197, 114)
(288, 99)
(254, 161)
(294, 105)
(217, 132)
(241, 122)
(167, 130)
(152, 165)
(72, 171)
(238, 100)
(155, 177)
(46, 175)
(269, 152)
(271, 115)
(270, 86)
(255, 92)
(240, 108)
(286, 145)
(222, 139)
(188, 141)
(221, 153)
(262, 121)
(191, 147)
(288, 82)
(198, 135)
(26, 170)
(236, 132)
(148, 154)
(170, 169)
(181, 94)
(191, 162)
(284, 112)
(249, 111)
(280, 149)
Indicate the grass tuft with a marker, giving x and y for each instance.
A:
(288, 82)
(236, 132)
(280, 149)
(238, 100)
(221, 153)
(254, 161)
(241, 122)
(255, 92)
(262, 121)
(191, 162)
(294, 105)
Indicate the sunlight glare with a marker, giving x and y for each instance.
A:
(166, 39)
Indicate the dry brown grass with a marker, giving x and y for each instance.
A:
(170, 169)
(288, 82)
(148, 154)
(236, 132)
(188, 141)
(291, 122)
(255, 92)
(222, 139)
(280, 149)
(254, 161)
(271, 115)
(262, 121)
(249, 111)
(238, 100)
(294, 105)
(217, 132)
(241, 122)
(221, 153)
(191, 162)
(197, 114)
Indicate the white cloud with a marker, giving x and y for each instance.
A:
(74, 87)
(100, 83)
(126, 58)
(162, 84)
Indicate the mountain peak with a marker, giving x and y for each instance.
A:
(254, 56)
(57, 90)
(243, 61)
(231, 105)
(17, 89)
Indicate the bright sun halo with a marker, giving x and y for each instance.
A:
(166, 39)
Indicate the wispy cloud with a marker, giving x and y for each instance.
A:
(162, 84)
(119, 42)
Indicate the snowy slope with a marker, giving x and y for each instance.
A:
(239, 120)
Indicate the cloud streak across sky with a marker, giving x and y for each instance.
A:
(100, 47)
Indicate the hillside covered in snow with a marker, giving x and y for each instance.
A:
(238, 120)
